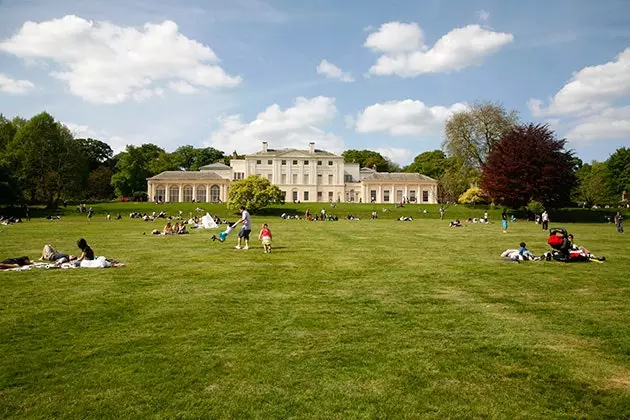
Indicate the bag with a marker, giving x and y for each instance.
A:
(555, 241)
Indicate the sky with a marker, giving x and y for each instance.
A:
(352, 74)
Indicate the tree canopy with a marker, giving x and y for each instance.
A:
(618, 170)
(369, 159)
(432, 164)
(254, 193)
(527, 164)
(471, 135)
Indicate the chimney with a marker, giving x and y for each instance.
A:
(264, 149)
(312, 148)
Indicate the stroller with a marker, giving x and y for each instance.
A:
(559, 241)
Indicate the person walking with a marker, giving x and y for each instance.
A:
(504, 221)
(545, 220)
(246, 228)
(619, 222)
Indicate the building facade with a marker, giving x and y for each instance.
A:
(311, 175)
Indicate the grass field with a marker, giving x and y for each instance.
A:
(347, 319)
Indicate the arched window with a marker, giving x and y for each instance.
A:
(215, 192)
(160, 192)
(188, 193)
(201, 194)
(173, 194)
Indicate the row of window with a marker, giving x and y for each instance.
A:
(295, 196)
(399, 196)
(295, 162)
(187, 194)
(294, 178)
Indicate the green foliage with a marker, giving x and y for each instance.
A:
(618, 168)
(592, 187)
(192, 159)
(368, 159)
(48, 163)
(474, 195)
(432, 164)
(471, 135)
(535, 207)
(7, 132)
(96, 152)
(99, 183)
(454, 181)
(133, 168)
(254, 193)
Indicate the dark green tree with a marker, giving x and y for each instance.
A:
(618, 166)
(432, 164)
(133, 169)
(367, 159)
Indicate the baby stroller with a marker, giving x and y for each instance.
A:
(559, 241)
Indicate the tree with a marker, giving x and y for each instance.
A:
(473, 196)
(471, 135)
(618, 165)
(47, 162)
(591, 184)
(7, 132)
(254, 193)
(527, 164)
(99, 183)
(453, 182)
(191, 159)
(432, 164)
(133, 168)
(96, 152)
(367, 159)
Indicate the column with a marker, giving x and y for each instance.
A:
(222, 193)
(379, 197)
(181, 193)
(195, 192)
(167, 194)
(406, 192)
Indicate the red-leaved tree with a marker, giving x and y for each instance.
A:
(529, 163)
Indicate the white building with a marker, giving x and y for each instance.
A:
(311, 175)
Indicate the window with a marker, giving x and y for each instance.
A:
(347, 178)
(386, 196)
(330, 163)
(319, 196)
(425, 196)
(160, 192)
(295, 162)
(330, 179)
(373, 196)
(239, 175)
(295, 179)
(258, 162)
(330, 195)
(305, 178)
(412, 196)
(283, 177)
(306, 162)
(295, 195)
(173, 193)
(215, 192)
(284, 162)
(319, 179)
(319, 163)
(270, 162)
(270, 177)
(188, 193)
(305, 195)
(201, 193)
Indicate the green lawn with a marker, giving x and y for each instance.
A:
(344, 319)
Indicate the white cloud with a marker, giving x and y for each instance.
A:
(293, 127)
(405, 118)
(483, 15)
(333, 72)
(591, 89)
(612, 123)
(105, 63)
(397, 155)
(182, 87)
(15, 87)
(349, 121)
(406, 54)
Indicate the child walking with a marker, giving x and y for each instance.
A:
(265, 237)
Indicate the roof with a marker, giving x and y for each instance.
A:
(186, 175)
(280, 152)
(217, 166)
(396, 176)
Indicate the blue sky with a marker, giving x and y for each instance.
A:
(230, 74)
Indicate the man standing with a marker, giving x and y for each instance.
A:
(545, 220)
(619, 222)
(245, 229)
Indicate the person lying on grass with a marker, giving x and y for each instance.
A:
(14, 262)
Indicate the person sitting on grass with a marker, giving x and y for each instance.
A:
(573, 248)
(455, 223)
(51, 254)
(86, 252)
(168, 229)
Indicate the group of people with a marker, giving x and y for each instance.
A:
(50, 254)
(177, 228)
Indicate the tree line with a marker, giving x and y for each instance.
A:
(487, 154)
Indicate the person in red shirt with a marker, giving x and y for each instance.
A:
(265, 237)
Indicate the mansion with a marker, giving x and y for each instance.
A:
(311, 175)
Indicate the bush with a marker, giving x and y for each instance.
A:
(535, 207)
(474, 195)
